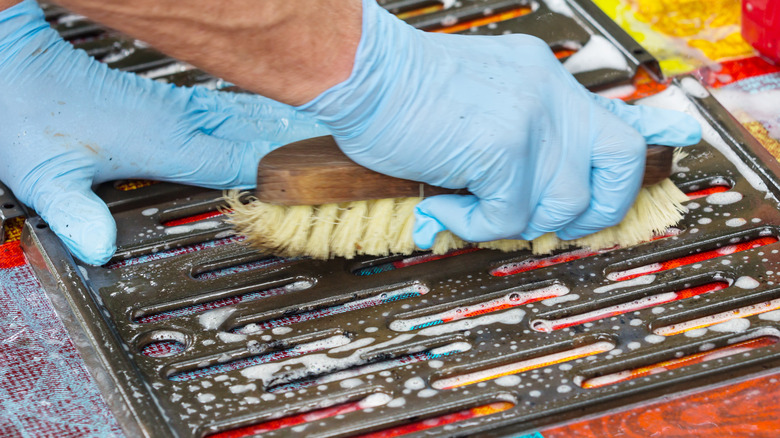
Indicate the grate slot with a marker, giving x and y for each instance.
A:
(549, 325)
(703, 188)
(404, 6)
(383, 265)
(224, 268)
(685, 361)
(698, 326)
(413, 291)
(697, 255)
(255, 360)
(466, 23)
(164, 343)
(194, 218)
(535, 263)
(354, 366)
(299, 421)
(506, 301)
(470, 14)
(139, 260)
(298, 416)
(418, 8)
(296, 422)
(150, 315)
(473, 377)
(432, 422)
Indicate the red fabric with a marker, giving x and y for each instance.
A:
(11, 255)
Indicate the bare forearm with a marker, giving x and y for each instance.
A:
(288, 50)
(5, 4)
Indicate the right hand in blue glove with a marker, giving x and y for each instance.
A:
(70, 122)
(499, 116)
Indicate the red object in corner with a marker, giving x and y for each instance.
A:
(11, 255)
(761, 26)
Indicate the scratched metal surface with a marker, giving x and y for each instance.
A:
(392, 341)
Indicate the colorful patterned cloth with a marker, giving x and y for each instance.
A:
(682, 34)
(45, 388)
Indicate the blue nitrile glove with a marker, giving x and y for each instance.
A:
(69, 122)
(500, 116)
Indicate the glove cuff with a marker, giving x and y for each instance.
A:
(19, 22)
(378, 62)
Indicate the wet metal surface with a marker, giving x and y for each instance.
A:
(189, 332)
(198, 334)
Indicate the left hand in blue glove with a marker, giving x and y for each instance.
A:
(499, 116)
(70, 122)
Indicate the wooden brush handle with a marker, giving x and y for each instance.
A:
(315, 171)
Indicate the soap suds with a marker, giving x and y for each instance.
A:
(396, 402)
(238, 389)
(598, 53)
(695, 333)
(231, 337)
(350, 383)
(562, 299)
(559, 6)
(736, 222)
(773, 315)
(195, 226)
(511, 380)
(427, 393)
(212, 319)
(654, 339)
(724, 198)
(737, 325)
(375, 400)
(206, 397)
(414, 383)
(748, 107)
(281, 330)
(746, 282)
(360, 343)
(673, 98)
(514, 316)
(694, 87)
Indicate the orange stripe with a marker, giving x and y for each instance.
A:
(504, 16)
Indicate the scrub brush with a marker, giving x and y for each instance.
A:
(312, 200)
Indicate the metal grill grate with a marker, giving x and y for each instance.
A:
(201, 335)
(190, 333)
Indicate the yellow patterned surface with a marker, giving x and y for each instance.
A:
(682, 34)
(13, 229)
(759, 131)
(129, 185)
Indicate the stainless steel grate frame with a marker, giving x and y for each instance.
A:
(569, 24)
(384, 333)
